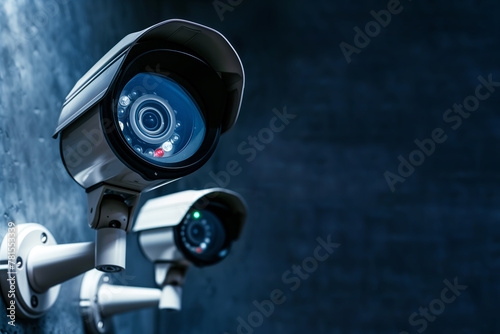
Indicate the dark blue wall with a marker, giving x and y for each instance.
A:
(323, 175)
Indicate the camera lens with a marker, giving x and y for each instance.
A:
(150, 110)
(151, 120)
(196, 233)
(203, 235)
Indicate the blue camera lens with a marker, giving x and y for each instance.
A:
(160, 116)
(203, 235)
(151, 120)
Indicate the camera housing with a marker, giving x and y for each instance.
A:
(159, 224)
(176, 72)
(190, 227)
(149, 112)
(197, 226)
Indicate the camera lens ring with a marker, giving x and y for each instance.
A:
(203, 237)
(204, 85)
(140, 107)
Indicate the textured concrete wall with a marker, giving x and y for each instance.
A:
(319, 176)
(45, 46)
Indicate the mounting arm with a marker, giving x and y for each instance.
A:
(100, 299)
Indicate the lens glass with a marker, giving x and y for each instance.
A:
(159, 119)
(204, 236)
(151, 120)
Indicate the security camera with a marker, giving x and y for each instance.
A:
(174, 231)
(149, 112)
(197, 226)
(189, 227)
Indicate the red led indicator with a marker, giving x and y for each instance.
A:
(159, 153)
(199, 250)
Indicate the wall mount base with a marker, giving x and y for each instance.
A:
(14, 282)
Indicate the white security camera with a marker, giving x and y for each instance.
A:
(149, 112)
(190, 227)
(174, 231)
(197, 226)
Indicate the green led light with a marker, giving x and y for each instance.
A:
(196, 214)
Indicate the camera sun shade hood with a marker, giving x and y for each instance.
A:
(208, 44)
(170, 210)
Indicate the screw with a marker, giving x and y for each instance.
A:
(105, 279)
(19, 262)
(43, 237)
(34, 301)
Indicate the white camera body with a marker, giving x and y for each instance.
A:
(172, 68)
(159, 225)
(149, 112)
